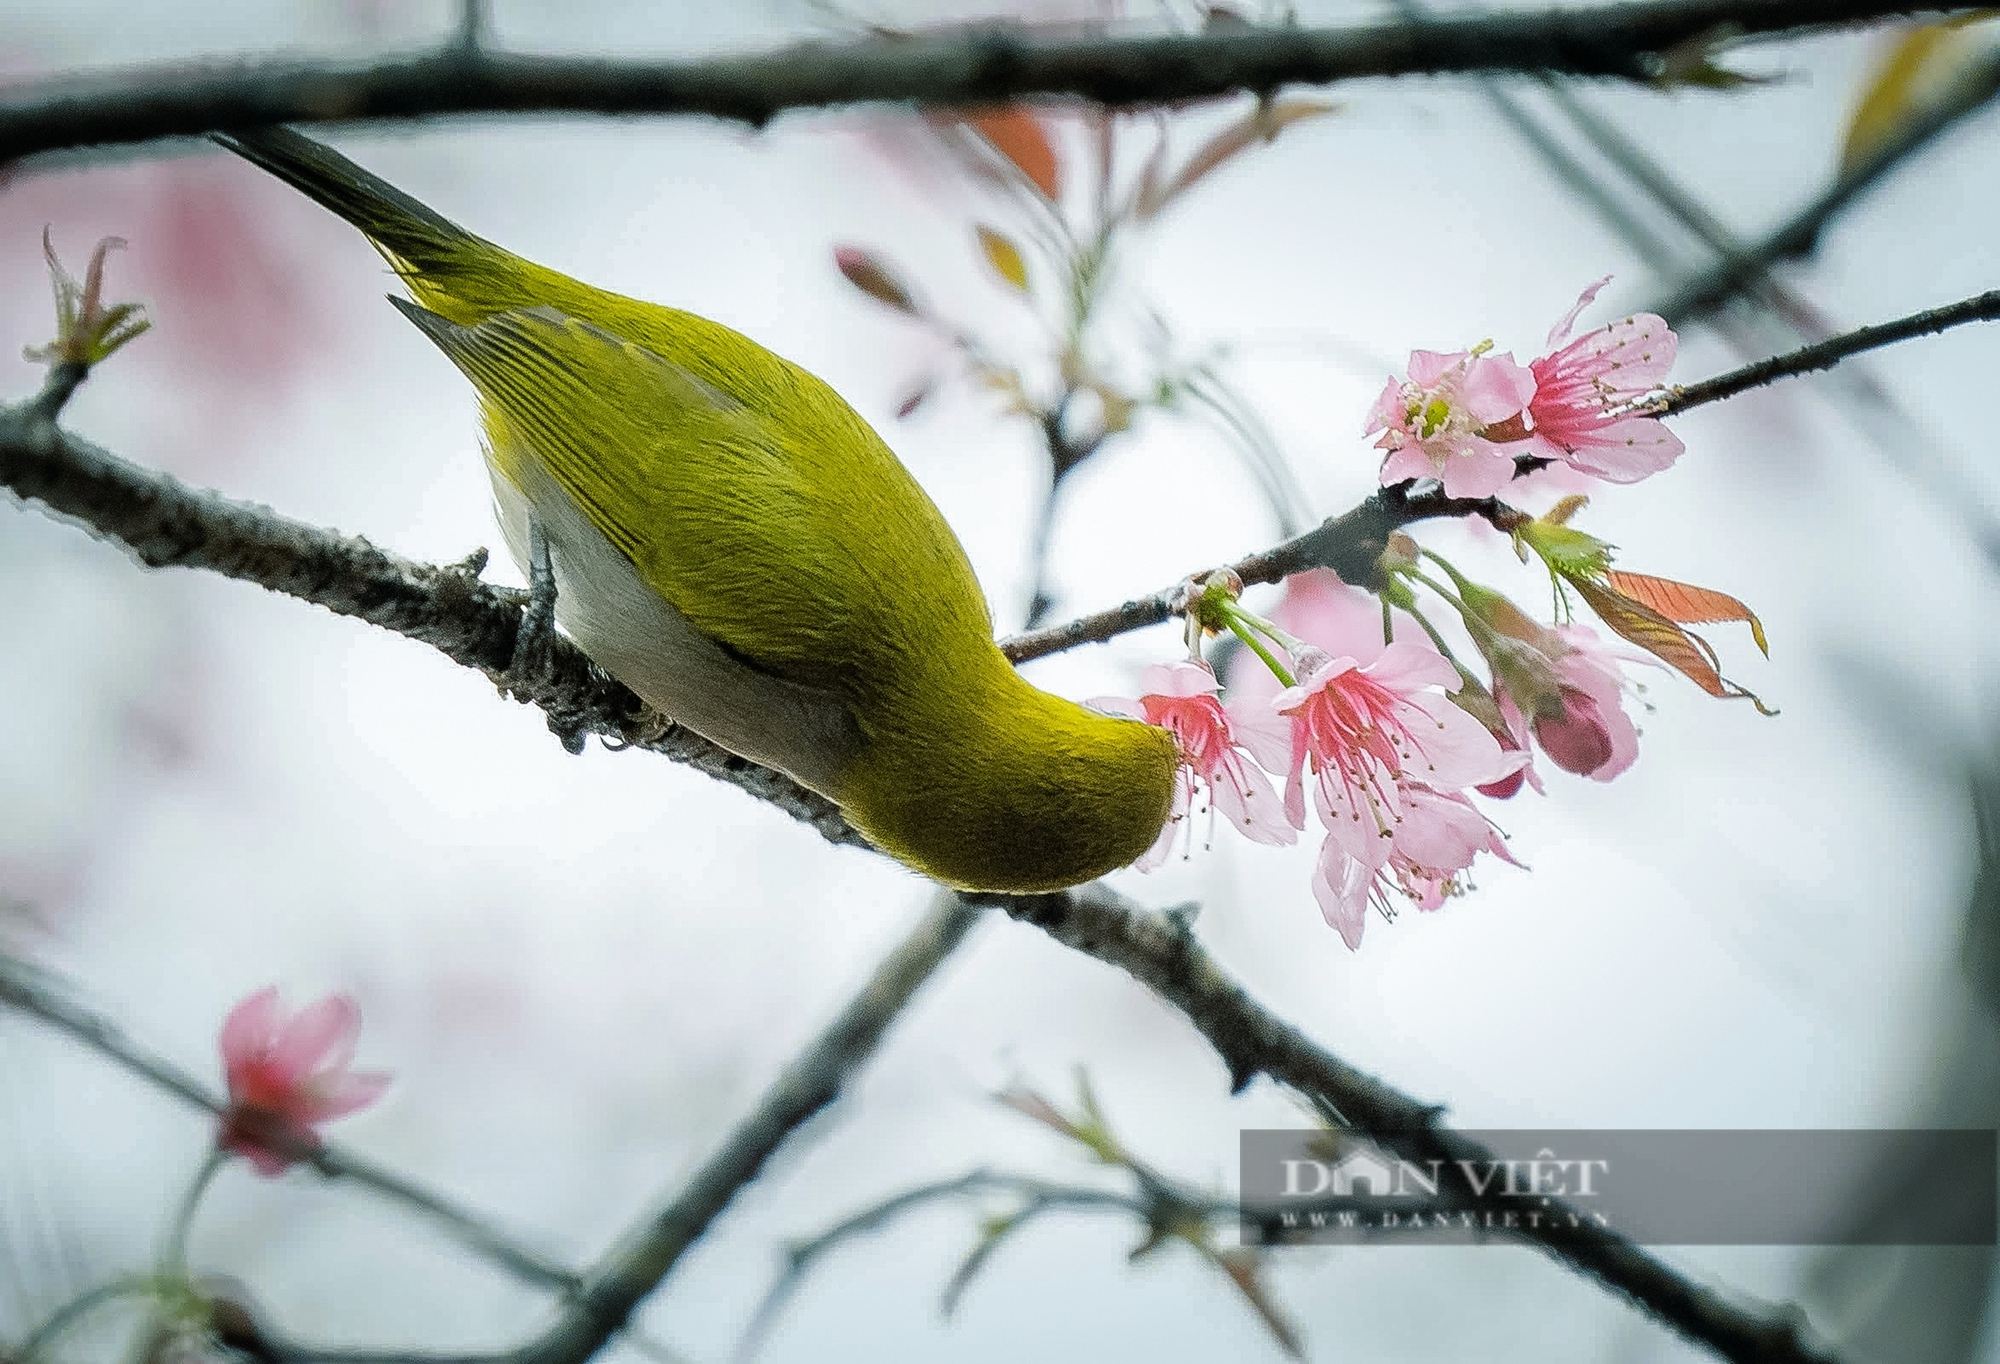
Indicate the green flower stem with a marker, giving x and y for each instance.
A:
(1458, 579)
(1251, 642)
(76, 1309)
(1443, 591)
(173, 1250)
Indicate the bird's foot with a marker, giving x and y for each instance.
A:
(531, 672)
(643, 726)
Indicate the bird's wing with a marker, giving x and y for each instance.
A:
(714, 503)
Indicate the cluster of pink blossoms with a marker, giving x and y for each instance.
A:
(1466, 418)
(1370, 730)
(1392, 735)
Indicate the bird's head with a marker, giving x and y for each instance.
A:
(1004, 787)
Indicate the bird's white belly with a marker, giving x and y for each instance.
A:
(637, 636)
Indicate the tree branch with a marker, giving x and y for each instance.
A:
(164, 522)
(987, 65)
(1799, 235)
(801, 1256)
(1830, 352)
(35, 992)
(649, 1251)
(1251, 1041)
(1348, 544)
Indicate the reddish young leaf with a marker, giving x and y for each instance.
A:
(1686, 653)
(1017, 135)
(1243, 1265)
(1686, 603)
(868, 274)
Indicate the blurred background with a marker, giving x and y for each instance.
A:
(583, 970)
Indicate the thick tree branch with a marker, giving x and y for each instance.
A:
(1160, 954)
(36, 993)
(1629, 40)
(164, 522)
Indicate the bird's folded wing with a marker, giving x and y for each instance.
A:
(708, 498)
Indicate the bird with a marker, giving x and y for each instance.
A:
(726, 536)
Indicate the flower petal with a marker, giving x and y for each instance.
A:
(1478, 469)
(249, 1029)
(318, 1038)
(342, 1094)
(1560, 332)
(1341, 887)
(1626, 450)
(1496, 388)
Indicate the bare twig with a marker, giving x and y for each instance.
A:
(1980, 308)
(1348, 544)
(801, 1256)
(35, 992)
(980, 66)
(1799, 235)
(1251, 1041)
(644, 1256)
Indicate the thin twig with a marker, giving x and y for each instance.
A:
(980, 66)
(1348, 544)
(1251, 1041)
(1799, 235)
(1830, 352)
(40, 995)
(647, 1252)
(801, 1256)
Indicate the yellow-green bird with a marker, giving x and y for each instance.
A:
(733, 542)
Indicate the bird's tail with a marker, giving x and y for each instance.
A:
(418, 241)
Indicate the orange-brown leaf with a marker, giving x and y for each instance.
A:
(1687, 604)
(1653, 632)
(1900, 88)
(1017, 135)
(1638, 623)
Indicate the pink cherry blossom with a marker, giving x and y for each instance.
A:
(1367, 735)
(1581, 393)
(1441, 835)
(1438, 423)
(289, 1074)
(1218, 745)
(1593, 737)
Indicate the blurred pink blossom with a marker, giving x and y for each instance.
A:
(1215, 743)
(289, 1074)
